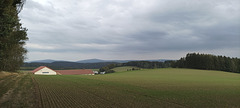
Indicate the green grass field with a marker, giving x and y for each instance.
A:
(124, 68)
(142, 88)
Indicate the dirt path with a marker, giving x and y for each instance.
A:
(9, 93)
(17, 91)
(38, 99)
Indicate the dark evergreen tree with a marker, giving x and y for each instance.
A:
(12, 36)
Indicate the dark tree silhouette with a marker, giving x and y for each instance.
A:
(12, 35)
(208, 62)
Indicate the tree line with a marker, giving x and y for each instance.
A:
(208, 62)
(192, 60)
(12, 35)
(140, 64)
(148, 64)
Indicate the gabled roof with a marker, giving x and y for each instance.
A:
(39, 68)
(74, 72)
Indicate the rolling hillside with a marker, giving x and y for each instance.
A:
(124, 68)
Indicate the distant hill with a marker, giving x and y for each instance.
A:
(117, 61)
(48, 61)
(59, 65)
(43, 61)
(94, 61)
(87, 64)
(91, 61)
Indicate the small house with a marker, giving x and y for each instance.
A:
(44, 70)
(95, 72)
(102, 72)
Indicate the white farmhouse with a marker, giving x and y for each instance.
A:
(43, 70)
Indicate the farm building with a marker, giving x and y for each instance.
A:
(95, 72)
(43, 70)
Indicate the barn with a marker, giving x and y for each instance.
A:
(44, 70)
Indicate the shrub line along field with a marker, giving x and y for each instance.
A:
(142, 88)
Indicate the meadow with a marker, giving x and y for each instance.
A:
(143, 88)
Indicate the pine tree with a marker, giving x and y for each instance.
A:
(12, 36)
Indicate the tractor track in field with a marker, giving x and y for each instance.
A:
(38, 95)
(15, 80)
(16, 91)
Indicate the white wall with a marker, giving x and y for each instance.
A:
(45, 69)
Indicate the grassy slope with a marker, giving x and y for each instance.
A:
(124, 68)
(143, 88)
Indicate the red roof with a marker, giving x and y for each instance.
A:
(74, 72)
(39, 68)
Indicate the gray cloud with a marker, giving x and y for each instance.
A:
(121, 28)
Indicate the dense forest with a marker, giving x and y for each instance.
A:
(208, 62)
(12, 36)
(148, 64)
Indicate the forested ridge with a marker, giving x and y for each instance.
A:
(12, 35)
(192, 60)
(208, 62)
(66, 65)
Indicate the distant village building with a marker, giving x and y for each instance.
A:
(43, 70)
(95, 72)
(102, 72)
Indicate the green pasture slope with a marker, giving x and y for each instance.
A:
(152, 88)
(124, 68)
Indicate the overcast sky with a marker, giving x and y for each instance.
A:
(130, 29)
